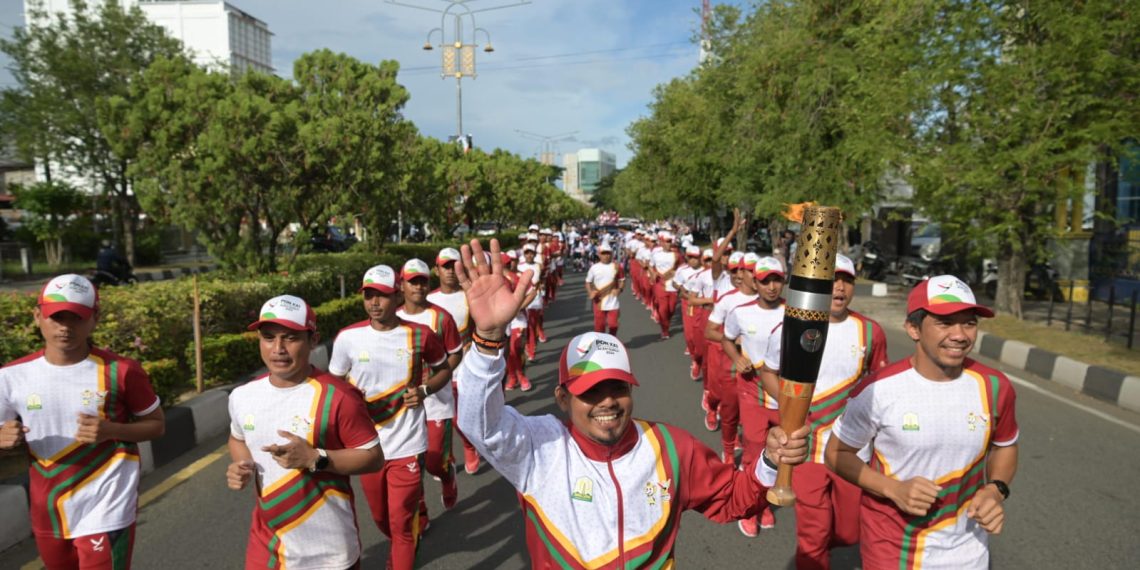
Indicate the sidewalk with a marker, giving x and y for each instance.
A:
(183, 265)
(1102, 383)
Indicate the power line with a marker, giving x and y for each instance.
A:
(573, 54)
(559, 64)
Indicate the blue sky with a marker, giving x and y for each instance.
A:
(624, 47)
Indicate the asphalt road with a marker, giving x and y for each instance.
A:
(1072, 504)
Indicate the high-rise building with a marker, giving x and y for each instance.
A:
(585, 169)
(216, 33)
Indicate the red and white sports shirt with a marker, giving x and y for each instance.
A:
(601, 275)
(441, 404)
(456, 306)
(78, 489)
(938, 430)
(385, 365)
(855, 347)
(754, 326)
(302, 520)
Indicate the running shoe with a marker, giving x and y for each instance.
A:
(524, 384)
(748, 527)
(767, 519)
(470, 462)
(695, 371)
(712, 422)
(450, 491)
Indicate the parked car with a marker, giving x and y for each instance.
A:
(486, 229)
(332, 240)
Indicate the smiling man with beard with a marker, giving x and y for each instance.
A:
(942, 432)
(600, 488)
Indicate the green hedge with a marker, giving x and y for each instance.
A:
(152, 322)
(169, 379)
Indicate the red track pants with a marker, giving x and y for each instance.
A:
(665, 304)
(394, 494)
(827, 514)
(605, 321)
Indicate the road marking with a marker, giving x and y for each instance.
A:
(1027, 384)
(161, 489)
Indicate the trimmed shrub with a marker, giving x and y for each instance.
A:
(337, 314)
(21, 336)
(169, 378)
(226, 358)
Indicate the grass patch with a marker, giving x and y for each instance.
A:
(1086, 348)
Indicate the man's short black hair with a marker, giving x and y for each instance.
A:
(916, 317)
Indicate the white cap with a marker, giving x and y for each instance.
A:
(70, 292)
(843, 264)
(381, 278)
(288, 311)
(591, 358)
(532, 228)
(447, 254)
(415, 268)
(605, 247)
(692, 251)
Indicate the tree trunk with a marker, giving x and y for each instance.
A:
(1011, 281)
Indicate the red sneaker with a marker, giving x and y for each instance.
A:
(524, 384)
(748, 527)
(712, 422)
(695, 371)
(705, 401)
(471, 462)
(767, 519)
(728, 457)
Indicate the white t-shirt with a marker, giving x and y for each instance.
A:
(440, 405)
(601, 275)
(456, 306)
(643, 255)
(384, 365)
(841, 367)
(682, 275)
(938, 430)
(309, 516)
(537, 268)
(664, 261)
(99, 482)
(726, 304)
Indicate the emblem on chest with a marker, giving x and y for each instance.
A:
(583, 490)
(301, 426)
(657, 491)
(910, 422)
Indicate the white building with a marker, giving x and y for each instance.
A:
(584, 170)
(216, 33)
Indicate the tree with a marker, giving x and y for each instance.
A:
(65, 66)
(1020, 96)
(51, 208)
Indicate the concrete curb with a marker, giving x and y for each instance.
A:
(166, 274)
(1101, 383)
(188, 425)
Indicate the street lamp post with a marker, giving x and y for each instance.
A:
(457, 53)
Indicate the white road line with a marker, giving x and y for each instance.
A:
(1027, 384)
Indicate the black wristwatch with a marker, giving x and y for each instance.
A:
(1002, 488)
(768, 462)
(322, 461)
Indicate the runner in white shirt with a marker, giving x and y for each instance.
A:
(604, 282)
(681, 276)
(943, 434)
(82, 412)
(516, 330)
(827, 507)
(298, 433)
(451, 298)
(384, 357)
(697, 312)
(662, 268)
(440, 405)
(534, 333)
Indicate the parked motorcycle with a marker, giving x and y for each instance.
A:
(873, 263)
(1040, 281)
(100, 278)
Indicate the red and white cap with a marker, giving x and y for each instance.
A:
(529, 248)
(504, 257)
(750, 260)
(70, 292)
(944, 295)
(414, 268)
(707, 254)
(288, 311)
(546, 231)
(766, 266)
(381, 278)
(843, 264)
(591, 358)
(727, 247)
(605, 248)
(532, 228)
(692, 251)
(532, 236)
(513, 254)
(446, 255)
(735, 260)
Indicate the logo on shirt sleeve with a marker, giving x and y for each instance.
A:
(583, 490)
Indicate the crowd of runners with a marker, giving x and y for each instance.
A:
(910, 460)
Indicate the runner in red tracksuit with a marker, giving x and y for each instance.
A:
(600, 489)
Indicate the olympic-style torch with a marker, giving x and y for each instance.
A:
(806, 315)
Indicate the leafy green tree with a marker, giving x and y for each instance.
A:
(1020, 95)
(52, 208)
(65, 66)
